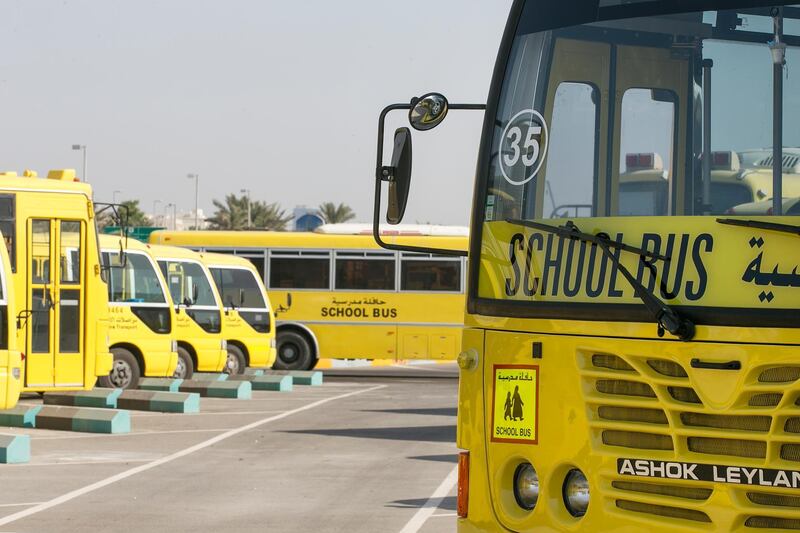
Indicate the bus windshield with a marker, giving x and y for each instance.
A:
(559, 142)
(135, 282)
(188, 283)
(238, 288)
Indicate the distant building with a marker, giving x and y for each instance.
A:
(306, 219)
(183, 220)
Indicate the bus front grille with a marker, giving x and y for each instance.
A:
(640, 406)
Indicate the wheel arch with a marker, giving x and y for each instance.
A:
(242, 347)
(189, 348)
(137, 353)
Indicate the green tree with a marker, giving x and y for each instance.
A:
(232, 215)
(128, 208)
(333, 214)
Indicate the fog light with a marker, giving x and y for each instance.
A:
(526, 486)
(576, 493)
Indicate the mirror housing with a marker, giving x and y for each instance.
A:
(399, 176)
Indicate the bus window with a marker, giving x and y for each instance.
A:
(647, 134)
(290, 270)
(258, 262)
(354, 271)
(8, 226)
(571, 174)
(70, 291)
(235, 283)
(429, 275)
(136, 282)
(727, 195)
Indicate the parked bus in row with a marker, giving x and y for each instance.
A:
(199, 329)
(249, 320)
(61, 296)
(338, 295)
(632, 366)
(10, 355)
(141, 334)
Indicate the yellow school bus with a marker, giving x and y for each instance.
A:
(633, 366)
(10, 356)
(62, 306)
(199, 329)
(142, 314)
(338, 295)
(249, 320)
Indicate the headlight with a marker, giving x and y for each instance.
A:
(576, 493)
(526, 486)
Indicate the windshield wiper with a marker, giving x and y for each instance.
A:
(667, 318)
(771, 226)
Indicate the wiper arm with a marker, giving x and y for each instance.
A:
(667, 318)
(772, 226)
(570, 230)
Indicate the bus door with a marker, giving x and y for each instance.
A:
(55, 299)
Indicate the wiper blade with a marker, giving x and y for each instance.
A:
(760, 224)
(667, 318)
(570, 230)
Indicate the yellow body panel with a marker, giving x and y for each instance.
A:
(364, 324)
(10, 356)
(128, 331)
(207, 347)
(57, 267)
(259, 348)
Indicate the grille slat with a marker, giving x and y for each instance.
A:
(780, 374)
(638, 440)
(622, 387)
(772, 522)
(775, 500)
(611, 362)
(664, 510)
(628, 414)
(744, 423)
(675, 491)
(667, 368)
(765, 399)
(684, 394)
(733, 447)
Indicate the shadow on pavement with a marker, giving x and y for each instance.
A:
(411, 433)
(448, 503)
(445, 458)
(439, 411)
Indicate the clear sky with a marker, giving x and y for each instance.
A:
(278, 97)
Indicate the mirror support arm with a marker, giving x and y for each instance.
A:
(385, 173)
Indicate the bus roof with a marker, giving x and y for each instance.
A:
(174, 252)
(296, 239)
(110, 241)
(212, 259)
(57, 181)
(400, 229)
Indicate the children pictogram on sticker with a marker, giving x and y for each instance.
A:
(514, 408)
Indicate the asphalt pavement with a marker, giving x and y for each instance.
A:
(370, 450)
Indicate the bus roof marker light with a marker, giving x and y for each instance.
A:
(427, 111)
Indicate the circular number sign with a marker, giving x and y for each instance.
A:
(523, 146)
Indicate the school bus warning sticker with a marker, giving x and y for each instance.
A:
(515, 404)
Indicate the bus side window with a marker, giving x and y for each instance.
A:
(288, 270)
(373, 273)
(441, 275)
(571, 167)
(647, 136)
(8, 227)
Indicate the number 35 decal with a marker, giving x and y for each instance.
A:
(523, 146)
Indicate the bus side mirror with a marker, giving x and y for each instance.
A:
(428, 111)
(399, 176)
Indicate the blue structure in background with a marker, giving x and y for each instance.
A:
(306, 219)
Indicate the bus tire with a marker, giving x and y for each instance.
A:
(236, 362)
(125, 371)
(185, 366)
(294, 352)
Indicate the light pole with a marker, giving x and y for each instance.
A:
(155, 213)
(196, 178)
(246, 193)
(82, 147)
(172, 205)
(114, 196)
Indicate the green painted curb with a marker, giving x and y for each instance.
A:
(271, 383)
(84, 419)
(209, 376)
(188, 402)
(240, 390)
(253, 371)
(21, 416)
(15, 449)
(99, 397)
(160, 384)
(302, 377)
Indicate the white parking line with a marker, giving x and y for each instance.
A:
(430, 506)
(19, 504)
(64, 498)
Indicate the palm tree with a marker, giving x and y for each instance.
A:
(333, 214)
(232, 215)
(129, 213)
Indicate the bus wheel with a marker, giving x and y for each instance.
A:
(294, 352)
(125, 372)
(185, 367)
(236, 362)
